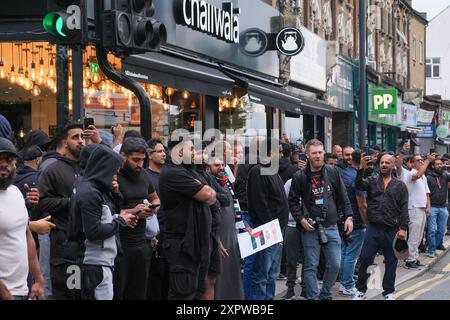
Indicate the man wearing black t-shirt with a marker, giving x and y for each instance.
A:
(135, 185)
(185, 200)
(317, 195)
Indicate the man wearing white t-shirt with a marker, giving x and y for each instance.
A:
(419, 201)
(17, 250)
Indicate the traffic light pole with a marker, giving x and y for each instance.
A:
(77, 83)
(129, 83)
(62, 79)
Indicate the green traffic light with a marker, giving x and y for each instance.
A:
(53, 23)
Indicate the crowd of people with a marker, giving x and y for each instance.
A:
(85, 217)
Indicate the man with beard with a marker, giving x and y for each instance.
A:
(96, 224)
(17, 250)
(387, 215)
(317, 193)
(228, 284)
(158, 279)
(351, 247)
(135, 185)
(418, 203)
(55, 187)
(185, 200)
(437, 221)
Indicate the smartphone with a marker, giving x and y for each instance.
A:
(154, 206)
(302, 156)
(88, 122)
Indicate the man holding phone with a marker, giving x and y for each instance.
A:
(90, 133)
(135, 185)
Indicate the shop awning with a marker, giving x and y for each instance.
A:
(267, 92)
(182, 74)
(411, 129)
(272, 94)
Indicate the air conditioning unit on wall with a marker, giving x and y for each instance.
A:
(372, 64)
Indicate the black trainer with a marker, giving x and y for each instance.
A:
(290, 294)
(411, 265)
(441, 247)
(419, 264)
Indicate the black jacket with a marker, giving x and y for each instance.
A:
(55, 189)
(385, 208)
(300, 194)
(266, 197)
(287, 169)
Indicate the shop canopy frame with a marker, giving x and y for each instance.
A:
(181, 74)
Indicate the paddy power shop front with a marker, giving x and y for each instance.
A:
(383, 115)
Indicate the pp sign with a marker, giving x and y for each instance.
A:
(384, 101)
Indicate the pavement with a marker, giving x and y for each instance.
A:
(374, 283)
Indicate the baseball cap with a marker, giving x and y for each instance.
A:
(31, 153)
(7, 146)
(401, 249)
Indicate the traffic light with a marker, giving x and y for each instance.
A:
(65, 21)
(129, 27)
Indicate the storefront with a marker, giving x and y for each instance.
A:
(203, 73)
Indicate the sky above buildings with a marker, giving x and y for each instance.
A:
(431, 7)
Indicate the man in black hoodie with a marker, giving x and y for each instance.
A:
(55, 188)
(97, 224)
(266, 201)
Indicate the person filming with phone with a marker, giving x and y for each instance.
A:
(419, 200)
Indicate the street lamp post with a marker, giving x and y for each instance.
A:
(362, 109)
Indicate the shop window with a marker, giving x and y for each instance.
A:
(28, 87)
(242, 115)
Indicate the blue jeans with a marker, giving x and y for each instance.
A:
(349, 255)
(44, 262)
(266, 268)
(332, 252)
(437, 222)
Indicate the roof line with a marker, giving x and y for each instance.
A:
(442, 11)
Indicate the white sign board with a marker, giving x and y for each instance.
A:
(309, 66)
(261, 238)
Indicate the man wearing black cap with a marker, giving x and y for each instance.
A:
(17, 251)
(38, 138)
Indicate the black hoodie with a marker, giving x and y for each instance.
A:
(94, 207)
(55, 189)
(286, 169)
(266, 197)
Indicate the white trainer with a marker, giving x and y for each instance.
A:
(359, 295)
(389, 296)
(347, 292)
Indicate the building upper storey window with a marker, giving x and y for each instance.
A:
(433, 68)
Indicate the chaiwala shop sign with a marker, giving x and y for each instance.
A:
(222, 23)
(384, 101)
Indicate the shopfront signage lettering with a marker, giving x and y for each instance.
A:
(136, 75)
(384, 101)
(205, 17)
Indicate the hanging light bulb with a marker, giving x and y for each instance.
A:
(185, 94)
(27, 84)
(170, 92)
(35, 91)
(70, 95)
(87, 71)
(226, 103)
(12, 78)
(20, 80)
(234, 102)
(40, 79)
(130, 102)
(96, 78)
(166, 106)
(109, 104)
(54, 89)
(70, 106)
(21, 134)
(88, 100)
(3, 74)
